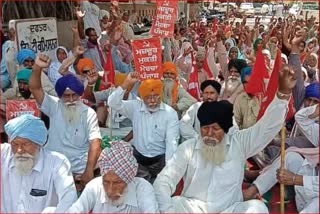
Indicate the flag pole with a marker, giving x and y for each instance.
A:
(282, 157)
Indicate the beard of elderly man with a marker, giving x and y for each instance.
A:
(25, 155)
(115, 188)
(212, 145)
(71, 107)
(170, 85)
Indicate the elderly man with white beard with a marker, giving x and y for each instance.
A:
(212, 165)
(155, 124)
(189, 123)
(33, 178)
(74, 129)
(233, 85)
(117, 190)
(173, 94)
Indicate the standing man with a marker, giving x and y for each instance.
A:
(155, 124)
(92, 13)
(212, 165)
(33, 178)
(74, 129)
(89, 40)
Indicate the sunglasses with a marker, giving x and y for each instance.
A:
(86, 71)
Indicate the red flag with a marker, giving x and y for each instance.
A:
(109, 73)
(214, 25)
(272, 89)
(193, 83)
(256, 85)
(206, 66)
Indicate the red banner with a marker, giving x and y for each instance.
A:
(163, 24)
(16, 108)
(147, 55)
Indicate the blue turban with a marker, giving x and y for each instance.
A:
(25, 54)
(245, 72)
(69, 81)
(24, 74)
(27, 126)
(312, 90)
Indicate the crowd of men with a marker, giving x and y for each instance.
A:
(181, 151)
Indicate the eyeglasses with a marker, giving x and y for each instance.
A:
(152, 97)
(85, 71)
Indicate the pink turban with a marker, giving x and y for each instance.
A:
(119, 158)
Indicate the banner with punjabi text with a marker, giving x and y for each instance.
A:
(163, 24)
(147, 55)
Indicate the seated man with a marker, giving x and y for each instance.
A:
(117, 190)
(74, 129)
(33, 178)
(189, 123)
(212, 165)
(23, 92)
(173, 94)
(302, 169)
(155, 124)
(25, 59)
(111, 119)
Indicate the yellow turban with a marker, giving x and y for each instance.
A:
(169, 66)
(150, 85)
(84, 62)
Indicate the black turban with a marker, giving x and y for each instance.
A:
(215, 84)
(239, 64)
(220, 112)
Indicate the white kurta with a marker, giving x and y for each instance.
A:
(215, 189)
(139, 199)
(307, 196)
(71, 140)
(51, 174)
(189, 123)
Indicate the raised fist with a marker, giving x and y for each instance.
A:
(43, 61)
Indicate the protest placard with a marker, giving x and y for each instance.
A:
(147, 55)
(163, 24)
(16, 108)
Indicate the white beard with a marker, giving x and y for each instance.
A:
(71, 112)
(232, 85)
(213, 153)
(24, 163)
(120, 200)
(168, 85)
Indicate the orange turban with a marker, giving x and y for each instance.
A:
(119, 79)
(84, 62)
(169, 66)
(147, 86)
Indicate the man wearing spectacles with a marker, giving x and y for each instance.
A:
(155, 124)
